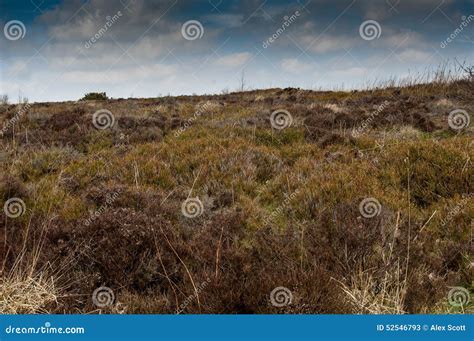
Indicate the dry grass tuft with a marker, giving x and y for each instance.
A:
(22, 293)
(368, 295)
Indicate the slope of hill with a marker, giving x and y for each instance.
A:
(271, 201)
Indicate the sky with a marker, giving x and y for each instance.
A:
(58, 50)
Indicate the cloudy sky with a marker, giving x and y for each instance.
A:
(54, 50)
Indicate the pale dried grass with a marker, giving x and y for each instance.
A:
(25, 294)
(368, 295)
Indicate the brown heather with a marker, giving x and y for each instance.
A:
(281, 207)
